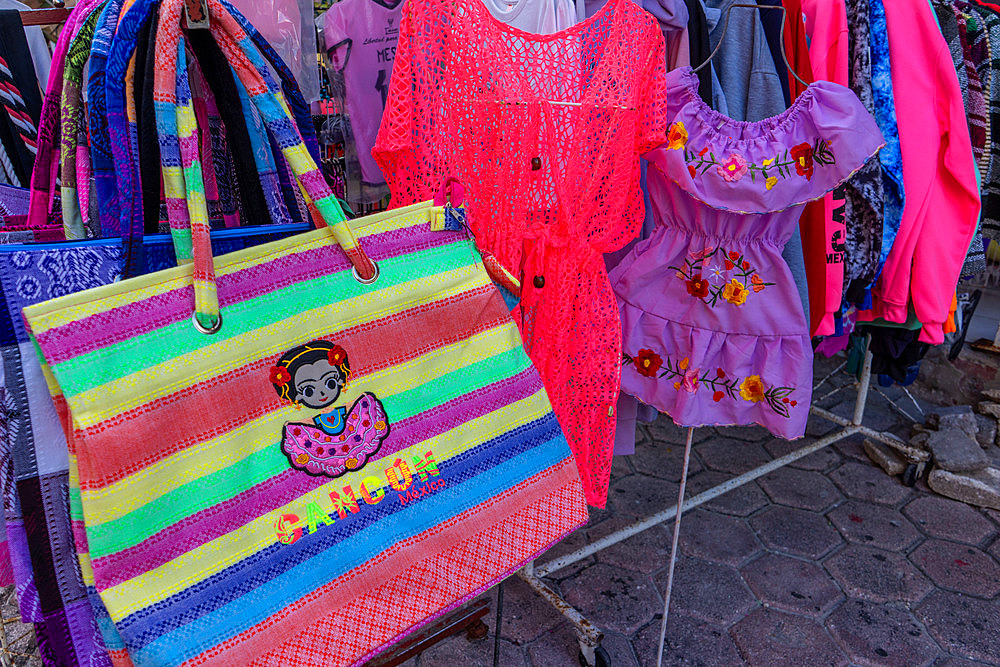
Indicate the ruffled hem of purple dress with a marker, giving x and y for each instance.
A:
(719, 365)
(764, 155)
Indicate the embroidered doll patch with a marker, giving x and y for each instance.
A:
(338, 439)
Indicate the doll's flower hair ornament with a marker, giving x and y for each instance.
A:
(283, 372)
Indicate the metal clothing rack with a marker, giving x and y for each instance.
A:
(588, 635)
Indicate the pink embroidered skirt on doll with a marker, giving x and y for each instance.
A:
(713, 328)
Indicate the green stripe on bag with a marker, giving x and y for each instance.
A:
(198, 495)
(116, 361)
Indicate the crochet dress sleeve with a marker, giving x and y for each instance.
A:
(653, 107)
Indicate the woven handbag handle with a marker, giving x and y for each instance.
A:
(181, 165)
(44, 176)
(72, 120)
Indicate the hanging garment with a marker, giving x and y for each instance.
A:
(20, 98)
(976, 63)
(771, 20)
(701, 47)
(753, 91)
(796, 47)
(864, 200)
(822, 225)
(714, 332)
(990, 187)
(713, 17)
(672, 15)
(890, 156)
(954, 29)
(546, 131)
(896, 352)
(939, 172)
(539, 17)
(744, 64)
(361, 37)
(976, 50)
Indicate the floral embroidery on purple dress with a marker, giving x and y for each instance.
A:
(730, 276)
(713, 328)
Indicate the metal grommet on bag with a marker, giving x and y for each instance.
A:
(363, 281)
(203, 329)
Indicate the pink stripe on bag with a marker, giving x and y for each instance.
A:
(126, 446)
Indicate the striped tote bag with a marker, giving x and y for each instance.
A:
(294, 454)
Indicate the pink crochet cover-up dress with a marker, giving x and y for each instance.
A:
(713, 328)
(545, 132)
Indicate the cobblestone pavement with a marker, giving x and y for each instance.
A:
(826, 562)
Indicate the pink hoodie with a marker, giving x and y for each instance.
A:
(942, 197)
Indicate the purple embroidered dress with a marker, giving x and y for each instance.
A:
(713, 327)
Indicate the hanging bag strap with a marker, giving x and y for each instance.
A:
(72, 123)
(289, 86)
(179, 155)
(102, 162)
(251, 173)
(138, 190)
(43, 177)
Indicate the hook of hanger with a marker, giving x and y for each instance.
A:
(725, 27)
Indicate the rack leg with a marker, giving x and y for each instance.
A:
(866, 381)
(545, 569)
(589, 636)
(496, 635)
(674, 545)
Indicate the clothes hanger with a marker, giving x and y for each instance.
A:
(725, 26)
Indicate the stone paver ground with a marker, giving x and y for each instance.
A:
(826, 562)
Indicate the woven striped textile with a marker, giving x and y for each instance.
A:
(43, 178)
(13, 104)
(98, 117)
(340, 462)
(208, 545)
(72, 124)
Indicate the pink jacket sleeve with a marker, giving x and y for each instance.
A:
(951, 212)
(942, 197)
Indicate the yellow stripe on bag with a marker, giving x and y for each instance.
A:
(173, 183)
(71, 308)
(114, 398)
(205, 560)
(179, 278)
(86, 569)
(205, 458)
